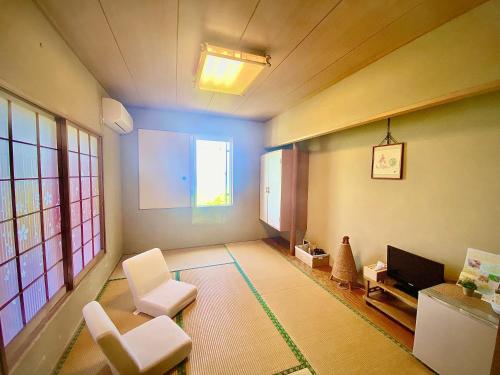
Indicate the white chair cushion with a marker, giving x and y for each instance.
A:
(168, 298)
(158, 345)
(152, 348)
(120, 358)
(145, 271)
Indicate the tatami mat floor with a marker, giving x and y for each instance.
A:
(183, 259)
(256, 313)
(333, 338)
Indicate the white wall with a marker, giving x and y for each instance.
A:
(186, 227)
(36, 64)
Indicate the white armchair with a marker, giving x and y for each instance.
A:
(154, 291)
(152, 348)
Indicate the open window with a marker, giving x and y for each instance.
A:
(213, 171)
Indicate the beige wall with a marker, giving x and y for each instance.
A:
(186, 227)
(449, 199)
(36, 63)
(459, 58)
(51, 76)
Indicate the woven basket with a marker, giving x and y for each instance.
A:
(344, 267)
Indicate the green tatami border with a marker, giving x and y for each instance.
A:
(206, 266)
(341, 300)
(290, 343)
(350, 307)
(181, 367)
(77, 333)
(359, 313)
(79, 329)
(180, 269)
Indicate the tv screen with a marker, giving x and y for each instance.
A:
(413, 272)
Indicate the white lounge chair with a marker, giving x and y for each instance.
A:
(154, 291)
(152, 348)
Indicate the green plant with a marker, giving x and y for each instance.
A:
(468, 283)
(220, 200)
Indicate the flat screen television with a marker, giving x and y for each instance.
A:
(412, 272)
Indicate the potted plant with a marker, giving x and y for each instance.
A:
(468, 286)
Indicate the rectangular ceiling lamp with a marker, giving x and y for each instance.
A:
(228, 71)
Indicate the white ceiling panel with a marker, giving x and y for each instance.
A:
(145, 53)
(146, 33)
(84, 27)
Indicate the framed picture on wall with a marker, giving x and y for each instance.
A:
(387, 161)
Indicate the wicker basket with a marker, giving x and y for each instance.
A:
(344, 267)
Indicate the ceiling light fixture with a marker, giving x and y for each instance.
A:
(228, 71)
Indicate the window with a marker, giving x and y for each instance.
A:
(213, 163)
(181, 170)
(41, 213)
(84, 197)
(31, 267)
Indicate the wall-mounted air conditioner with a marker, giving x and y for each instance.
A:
(116, 116)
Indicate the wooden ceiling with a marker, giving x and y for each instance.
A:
(145, 52)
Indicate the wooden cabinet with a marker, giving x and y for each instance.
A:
(280, 197)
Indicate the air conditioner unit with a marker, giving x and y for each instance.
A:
(116, 116)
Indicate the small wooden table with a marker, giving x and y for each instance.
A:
(385, 297)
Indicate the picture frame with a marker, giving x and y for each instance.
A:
(387, 161)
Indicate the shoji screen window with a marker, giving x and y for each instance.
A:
(31, 267)
(85, 198)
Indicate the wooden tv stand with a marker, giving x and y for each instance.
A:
(399, 305)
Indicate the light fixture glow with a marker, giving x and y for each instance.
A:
(228, 71)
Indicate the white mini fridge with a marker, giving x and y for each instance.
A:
(455, 334)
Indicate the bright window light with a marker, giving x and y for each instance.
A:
(228, 71)
(214, 181)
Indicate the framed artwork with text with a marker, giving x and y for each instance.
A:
(387, 161)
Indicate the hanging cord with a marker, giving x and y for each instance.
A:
(388, 138)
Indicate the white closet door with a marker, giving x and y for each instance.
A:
(164, 169)
(263, 187)
(274, 184)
